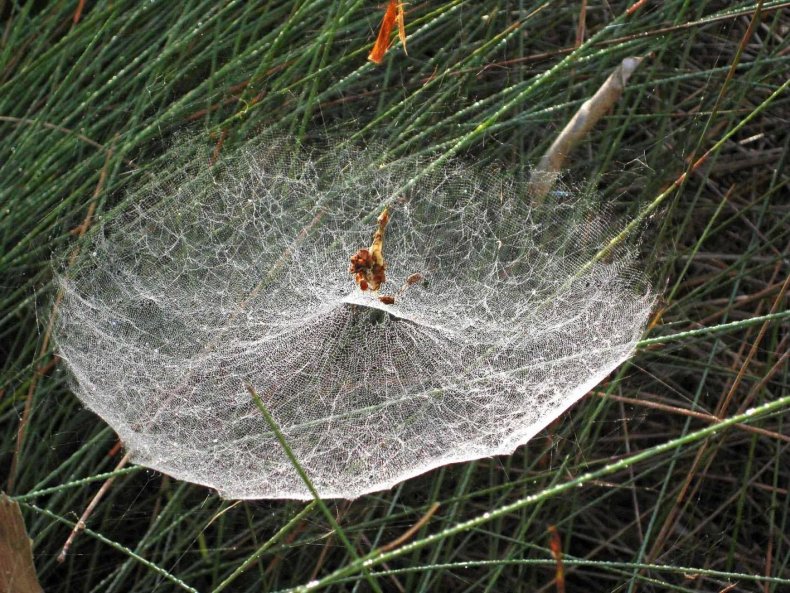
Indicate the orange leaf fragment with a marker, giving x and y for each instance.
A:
(78, 12)
(393, 14)
(401, 18)
(555, 545)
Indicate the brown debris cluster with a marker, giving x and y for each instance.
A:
(368, 265)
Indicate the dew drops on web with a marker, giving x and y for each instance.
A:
(485, 319)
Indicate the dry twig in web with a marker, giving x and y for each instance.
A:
(368, 265)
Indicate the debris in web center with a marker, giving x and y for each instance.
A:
(368, 265)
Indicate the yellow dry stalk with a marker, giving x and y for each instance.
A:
(378, 240)
(368, 265)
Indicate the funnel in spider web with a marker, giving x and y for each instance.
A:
(490, 322)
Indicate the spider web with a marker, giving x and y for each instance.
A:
(238, 274)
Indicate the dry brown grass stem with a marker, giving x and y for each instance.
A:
(83, 520)
(411, 530)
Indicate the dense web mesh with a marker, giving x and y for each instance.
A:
(239, 274)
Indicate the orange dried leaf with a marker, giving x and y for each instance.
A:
(555, 545)
(78, 12)
(401, 18)
(393, 14)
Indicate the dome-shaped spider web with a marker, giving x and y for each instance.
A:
(238, 275)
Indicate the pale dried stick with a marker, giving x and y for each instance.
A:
(592, 110)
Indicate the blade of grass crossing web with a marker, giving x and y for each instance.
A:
(306, 479)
